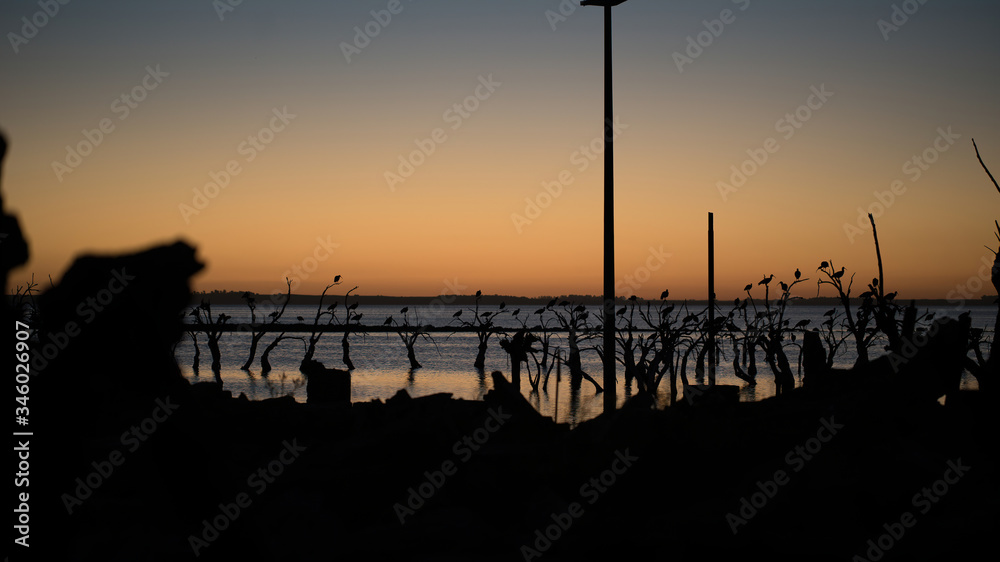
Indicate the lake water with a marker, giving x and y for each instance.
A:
(383, 369)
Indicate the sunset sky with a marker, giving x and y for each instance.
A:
(312, 116)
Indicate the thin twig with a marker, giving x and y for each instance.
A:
(984, 166)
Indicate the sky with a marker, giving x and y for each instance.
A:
(429, 147)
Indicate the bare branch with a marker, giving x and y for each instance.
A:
(984, 166)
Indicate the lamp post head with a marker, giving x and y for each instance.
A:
(604, 3)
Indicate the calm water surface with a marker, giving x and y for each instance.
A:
(383, 369)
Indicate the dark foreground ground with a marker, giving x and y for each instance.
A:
(334, 482)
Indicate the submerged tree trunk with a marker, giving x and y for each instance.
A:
(213, 347)
(310, 351)
(265, 363)
(480, 363)
(784, 379)
(412, 357)
(347, 350)
(197, 354)
(255, 338)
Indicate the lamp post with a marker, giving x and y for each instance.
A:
(610, 380)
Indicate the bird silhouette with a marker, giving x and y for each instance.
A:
(839, 274)
(766, 280)
(457, 314)
(665, 294)
(748, 287)
(387, 321)
(784, 287)
(404, 309)
(336, 279)
(300, 319)
(798, 274)
(479, 293)
(823, 265)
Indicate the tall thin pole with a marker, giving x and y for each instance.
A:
(711, 300)
(610, 380)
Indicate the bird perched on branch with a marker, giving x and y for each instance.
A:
(766, 280)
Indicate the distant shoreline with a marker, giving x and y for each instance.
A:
(235, 297)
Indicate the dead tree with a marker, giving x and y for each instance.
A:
(255, 334)
(213, 331)
(482, 323)
(410, 333)
(320, 313)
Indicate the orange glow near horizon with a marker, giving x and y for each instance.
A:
(461, 219)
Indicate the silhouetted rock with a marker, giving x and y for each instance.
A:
(110, 324)
(326, 386)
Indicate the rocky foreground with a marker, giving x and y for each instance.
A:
(812, 475)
